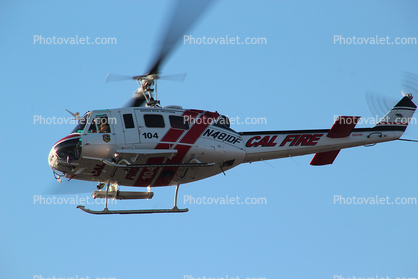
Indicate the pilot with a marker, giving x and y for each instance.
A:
(104, 128)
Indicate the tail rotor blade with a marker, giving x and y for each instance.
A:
(379, 105)
(410, 83)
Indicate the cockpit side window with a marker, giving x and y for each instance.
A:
(129, 121)
(81, 124)
(93, 128)
(178, 122)
(154, 121)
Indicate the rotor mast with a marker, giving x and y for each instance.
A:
(148, 85)
(185, 14)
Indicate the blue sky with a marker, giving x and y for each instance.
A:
(299, 79)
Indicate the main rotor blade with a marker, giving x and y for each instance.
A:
(185, 14)
(114, 77)
(176, 77)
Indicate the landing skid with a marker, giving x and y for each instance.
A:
(140, 211)
(175, 209)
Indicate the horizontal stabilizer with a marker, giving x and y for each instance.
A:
(324, 158)
(343, 126)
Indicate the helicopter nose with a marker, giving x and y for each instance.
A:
(52, 158)
(65, 151)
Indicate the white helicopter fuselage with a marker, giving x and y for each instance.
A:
(148, 136)
(150, 147)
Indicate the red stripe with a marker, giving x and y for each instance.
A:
(182, 151)
(191, 115)
(213, 115)
(172, 135)
(147, 174)
(199, 125)
(144, 178)
(197, 129)
(190, 138)
(67, 137)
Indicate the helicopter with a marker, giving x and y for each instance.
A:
(144, 144)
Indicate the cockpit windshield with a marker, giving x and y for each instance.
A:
(81, 124)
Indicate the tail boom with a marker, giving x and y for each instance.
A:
(327, 142)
